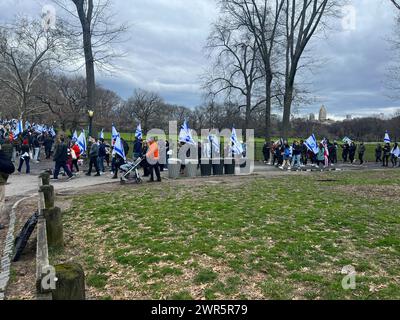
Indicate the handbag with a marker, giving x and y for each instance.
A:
(73, 155)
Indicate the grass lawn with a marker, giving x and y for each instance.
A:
(245, 238)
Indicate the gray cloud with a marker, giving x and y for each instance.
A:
(165, 53)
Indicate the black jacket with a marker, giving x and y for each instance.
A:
(61, 153)
(6, 166)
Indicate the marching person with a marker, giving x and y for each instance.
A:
(394, 156)
(386, 155)
(76, 153)
(93, 155)
(266, 151)
(352, 152)
(25, 157)
(378, 153)
(287, 156)
(361, 152)
(61, 158)
(102, 156)
(153, 157)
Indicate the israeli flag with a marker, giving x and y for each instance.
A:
(82, 142)
(115, 133)
(38, 128)
(139, 133)
(387, 138)
(18, 130)
(27, 125)
(347, 140)
(396, 152)
(185, 135)
(215, 143)
(311, 144)
(119, 148)
(102, 134)
(237, 147)
(75, 136)
(52, 132)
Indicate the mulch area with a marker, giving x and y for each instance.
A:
(23, 272)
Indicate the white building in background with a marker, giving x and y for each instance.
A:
(323, 114)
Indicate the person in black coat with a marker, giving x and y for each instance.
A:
(267, 151)
(25, 157)
(378, 153)
(60, 158)
(386, 155)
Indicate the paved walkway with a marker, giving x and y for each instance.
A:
(24, 185)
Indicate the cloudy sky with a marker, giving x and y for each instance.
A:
(165, 53)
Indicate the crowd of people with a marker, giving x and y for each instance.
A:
(284, 155)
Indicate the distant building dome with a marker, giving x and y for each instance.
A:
(323, 114)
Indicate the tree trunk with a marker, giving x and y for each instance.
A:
(287, 107)
(89, 62)
(268, 82)
(248, 114)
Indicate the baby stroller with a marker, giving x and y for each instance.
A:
(131, 167)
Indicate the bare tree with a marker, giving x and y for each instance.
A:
(236, 69)
(143, 107)
(65, 98)
(99, 32)
(27, 51)
(261, 19)
(302, 19)
(396, 3)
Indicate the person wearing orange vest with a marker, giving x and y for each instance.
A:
(153, 156)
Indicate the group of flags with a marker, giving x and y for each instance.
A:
(185, 136)
(18, 128)
(312, 145)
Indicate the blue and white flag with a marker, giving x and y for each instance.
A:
(311, 144)
(75, 136)
(139, 133)
(119, 148)
(27, 125)
(347, 140)
(82, 142)
(387, 138)
(102, 134)
(185, 135)
(214, 143)
(115, 133)
(52, 132)
(18, 130)
(38, 128)
(237, 147)
(396, 152)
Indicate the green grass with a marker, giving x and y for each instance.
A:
(248, 238)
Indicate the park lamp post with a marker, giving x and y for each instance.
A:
(91, 114)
